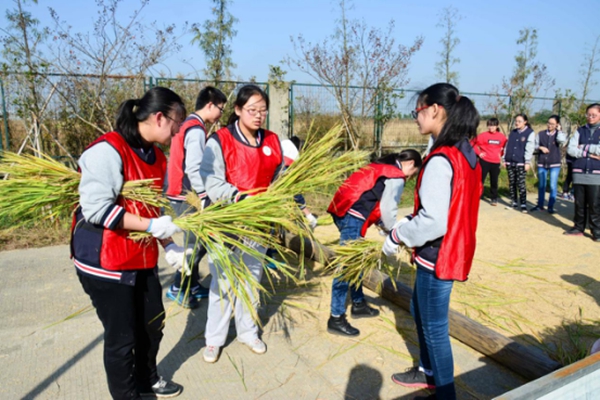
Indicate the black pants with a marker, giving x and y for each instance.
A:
(516, 183)
(587, 208)
(494, 171)
(132, 317)
(568, 178)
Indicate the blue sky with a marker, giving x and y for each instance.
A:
(487, 32)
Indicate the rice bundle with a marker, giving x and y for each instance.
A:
(38, 188)
(356, 259)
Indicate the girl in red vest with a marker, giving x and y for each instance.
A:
(238, 158)
(441, 230)
(121, 275)
(370, 195)
(489, 147)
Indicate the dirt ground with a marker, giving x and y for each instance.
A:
(529, 281)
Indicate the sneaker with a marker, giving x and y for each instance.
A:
(524, 209)
(494, 202)
(272, 266)
(514, 205)
(573, 232)
(185, 300)
(256, 345)
(414, 377)
(362, 310)
(571, 197)
(596, 237)
(340, 326)
(551, 211)
(211, 354)
(163, 389)
(199, 292)
(537, 208)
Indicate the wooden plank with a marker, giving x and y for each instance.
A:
(529, 362)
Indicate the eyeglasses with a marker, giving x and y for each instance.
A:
(415, 113)
(591, 115)
(220, 108)
(253, 111)
(178, 123)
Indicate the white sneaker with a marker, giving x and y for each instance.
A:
(211, 354)
(256, 345)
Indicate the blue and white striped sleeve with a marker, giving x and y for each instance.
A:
(100, 185)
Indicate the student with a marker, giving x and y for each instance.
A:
(238, 158)
(548, 143)
(441, 230)
(489, 147)
(183, 176)
(370, 195)
(517, 156)
(584, 145)
(119, 274)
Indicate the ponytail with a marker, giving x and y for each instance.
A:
(462, 118)
(133, 111)
(404, 155)
(524, 116)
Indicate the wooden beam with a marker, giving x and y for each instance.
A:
(527, 361)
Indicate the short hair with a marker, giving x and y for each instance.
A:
(493, 122)
(210, 95)
(593, 105)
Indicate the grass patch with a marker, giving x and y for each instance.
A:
(32, 235)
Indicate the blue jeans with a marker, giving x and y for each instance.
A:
(542, 176)
(429, 308)
(349, 228)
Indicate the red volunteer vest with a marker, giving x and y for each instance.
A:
(248, 167)
(118, 252)
(356, 185)
(455, 255)
(176, 188)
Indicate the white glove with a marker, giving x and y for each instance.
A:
(390, 248)
(401, 222)
(312, 221)
(163, 227)
(177, 257)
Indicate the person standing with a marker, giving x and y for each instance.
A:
(442, 230)
(517, 158)
(489, 147)
(370, 195)
(120, 274)
(240, 157)
(584, 145)
(548, 143)
(183, 176)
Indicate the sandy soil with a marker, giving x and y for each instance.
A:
(528, 281)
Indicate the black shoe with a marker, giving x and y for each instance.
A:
(524, 209)
(573, 232)
(362, 310)
(163, 389)
(596, 237)
(414, 377)
(537, 208)
(340, 326)
(551, 211)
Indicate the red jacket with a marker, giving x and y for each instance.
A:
(351, 194)
(489, 146)
(111, 249)
(248, 167)
(178, 184)
(452, 256)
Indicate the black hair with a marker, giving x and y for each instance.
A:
(404, 155)
(493, 122)
(593, 105)
(210, 95)
(555, 117)
(299, 143)
(524, 116)
(243, 96)
(462, 118)
(133, 111)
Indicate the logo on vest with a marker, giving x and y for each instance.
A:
(267, 150)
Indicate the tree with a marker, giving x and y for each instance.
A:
(359, 65)
(448, 19)
(589, 67)
(529, 76)
(25, 64)
(214, 42)
(103, 67)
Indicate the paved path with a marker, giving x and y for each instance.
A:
(47, 356)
